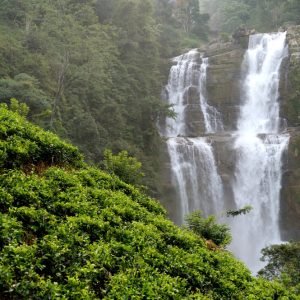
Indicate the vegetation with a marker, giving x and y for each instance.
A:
(242, 211)
(25, 146)
(125, 167)
(78, 63)
(69, 231)
(208, 228)
(92, 70)
(264, 16)
(283, 263)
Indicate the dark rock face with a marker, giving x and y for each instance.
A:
(223, 80)
(225, 157)
(241, 36)
(290, 81)
(290, 99)
(194, 117)
(290, 194)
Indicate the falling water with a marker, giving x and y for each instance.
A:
(259, 146)
(193, 167)
(195, 175)
(183, 75)
(259, 143)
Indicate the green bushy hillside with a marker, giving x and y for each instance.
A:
(69, 231)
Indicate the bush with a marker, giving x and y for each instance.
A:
(127, 168)
(80, 233)
(208, 228)
(25, 145)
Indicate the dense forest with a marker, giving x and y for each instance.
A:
(263, 16)
(92, 71)
(78, 63)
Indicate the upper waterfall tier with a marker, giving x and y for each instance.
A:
(260, 109)
(186, 93)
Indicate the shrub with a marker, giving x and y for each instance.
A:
(208, 228)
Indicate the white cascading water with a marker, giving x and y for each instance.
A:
(195, 175)
(193, 167)
(183, 75)
(259, 146)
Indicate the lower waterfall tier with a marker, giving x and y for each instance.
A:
(220, 172)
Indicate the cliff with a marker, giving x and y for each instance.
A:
(223, 80)
(290, 99)
(223, 86)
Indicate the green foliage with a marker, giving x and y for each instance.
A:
(26, 89)
(262, 15)
(191, 20)
(208, 228)
(283, 263)
(23, 144)
(20, 108)
(92, 70)
(127, 168)
(80, 233)
(245, 210)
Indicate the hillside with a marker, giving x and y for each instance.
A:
(69, 231)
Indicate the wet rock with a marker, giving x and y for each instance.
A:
(241, 36)
(223, 81)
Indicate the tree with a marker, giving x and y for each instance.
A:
(27, 89)
(188, 15)
(266, 15)
(93, 59)
(245, 210)
(283, 263)
(235, 13)
(292, 11)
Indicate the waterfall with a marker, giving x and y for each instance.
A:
(252, 172)
(193, 167)
(259, 146)
(183, 75)
(260, 110)
(195, 175)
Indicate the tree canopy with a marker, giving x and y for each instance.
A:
(78, 63)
